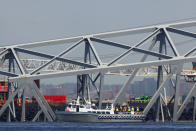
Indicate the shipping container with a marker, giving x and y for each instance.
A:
(55, 98)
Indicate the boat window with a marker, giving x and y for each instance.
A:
(107, 112)
(89, 111)
(98, 112)
(87, 107)
(94, 111)
(74, 106)
(102, 112)
(81, 106)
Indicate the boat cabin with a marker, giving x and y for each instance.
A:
(87, 108)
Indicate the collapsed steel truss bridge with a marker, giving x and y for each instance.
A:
(90, 69)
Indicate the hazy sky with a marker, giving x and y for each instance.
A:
(23, 21)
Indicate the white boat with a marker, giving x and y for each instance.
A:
(86, 113)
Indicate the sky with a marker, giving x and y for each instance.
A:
(25, 21)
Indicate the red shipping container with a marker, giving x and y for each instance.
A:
(55, 98)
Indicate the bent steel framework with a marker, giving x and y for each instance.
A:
(92, 68)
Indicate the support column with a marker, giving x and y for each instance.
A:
(175, 118)
(82, 87)
(101, 89)
(162, 112)
(162, 43)
(159, 81)
(79, 85)
(87, 59)
(83, 80)
(10, 69)
(23, 105)
(88, 88)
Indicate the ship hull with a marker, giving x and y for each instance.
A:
(92, 117)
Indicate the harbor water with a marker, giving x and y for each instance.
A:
(150, 126)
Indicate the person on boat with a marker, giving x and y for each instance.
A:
(137, 109)
(125, 109)
(132, 110)
(121, 109)
(129, 109)
(116, 110)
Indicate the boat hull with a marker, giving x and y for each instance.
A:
(92, 117)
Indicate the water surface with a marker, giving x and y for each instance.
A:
(51, 126)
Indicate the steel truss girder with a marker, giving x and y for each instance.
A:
(157, 93)
(3, 52)
(136, 49)
(94, 52)
(93, 83)
(31, 64)
(37, 115)
(188, 97)
(18, 62)
(44, 109)
(133, 74)
(190, 52)
(166, 105)
(107, 34)
(171, 42)
(52, 56)
(8, 73)
(55, 57)
(42, 103)
(33, 84)
(10, 99)
(102, 69)
(130, 49)
(181, 32)
(172, 61)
